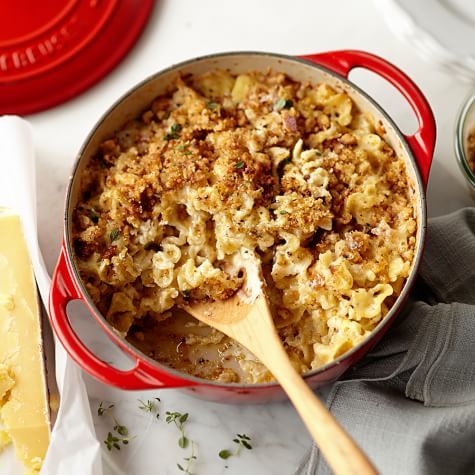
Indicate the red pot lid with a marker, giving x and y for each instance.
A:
(52, 50)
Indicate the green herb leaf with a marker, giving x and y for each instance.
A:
(239, 165)
(288, 104)
(279, 104)
(101, 410)
(183, 417)
(212, 105)
(189, 460)
(174, 133)
(242, 440)
(122, 430)
(183, 442)
(181, 148)
(225, 454)
(282, 211)
(246, 444)
(114, 235)
(112, 441)
(94, 217)
(179, 419)
(283, 104)
(172, 416)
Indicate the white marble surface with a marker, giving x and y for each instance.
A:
(179, 30)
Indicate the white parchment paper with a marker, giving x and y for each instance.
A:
(74, 448)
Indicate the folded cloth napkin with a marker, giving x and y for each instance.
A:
(410, 403)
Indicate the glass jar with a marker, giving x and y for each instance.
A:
(465, 124)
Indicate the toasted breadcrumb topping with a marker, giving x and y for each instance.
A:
(258, 162)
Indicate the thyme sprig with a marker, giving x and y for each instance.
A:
(179, 419)
(150, 406)
(102, 409)
(242, 440)
(121, 435)
(189, 461)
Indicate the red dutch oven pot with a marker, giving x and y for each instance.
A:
(330, 67)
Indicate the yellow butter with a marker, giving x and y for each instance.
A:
(24, 405)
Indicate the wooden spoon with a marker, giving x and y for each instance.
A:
(246, 317)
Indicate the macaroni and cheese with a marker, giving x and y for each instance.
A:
(254, 163)
(471, 150)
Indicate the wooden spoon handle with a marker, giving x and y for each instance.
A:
(340, 451)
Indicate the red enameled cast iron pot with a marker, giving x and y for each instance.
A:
(331, 67)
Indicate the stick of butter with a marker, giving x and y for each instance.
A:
(24, 407)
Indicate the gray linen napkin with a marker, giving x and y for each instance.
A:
(410, 403)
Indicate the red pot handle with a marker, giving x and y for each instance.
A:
(423, 141)
(64, 290)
